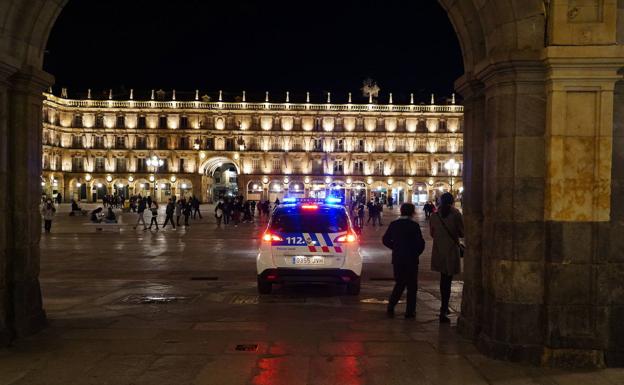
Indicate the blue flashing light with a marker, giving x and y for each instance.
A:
(333, 200)
(290, 200)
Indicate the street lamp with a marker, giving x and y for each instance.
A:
(452, 167)
(155, 162)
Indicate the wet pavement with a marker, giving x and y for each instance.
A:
(181, 307)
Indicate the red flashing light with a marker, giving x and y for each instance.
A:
(309, 207)
(348, 238)
(268, 237)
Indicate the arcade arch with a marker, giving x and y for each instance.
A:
(531, 68)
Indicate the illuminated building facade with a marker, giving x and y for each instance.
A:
(166, 146)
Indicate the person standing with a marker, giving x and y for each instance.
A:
(219, 212)
(141, 205)
(169, 210)
(195, 203)
(154, 220)
(186, 211)
(178, 211)
(48, 211)
(405, 239)
(447, 227)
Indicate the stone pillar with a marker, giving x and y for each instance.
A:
(469, 322)
(584, 263)
(21, 311)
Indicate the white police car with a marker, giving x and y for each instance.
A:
(309, 241)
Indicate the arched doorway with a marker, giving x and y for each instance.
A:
(221, 177)
(518, 89)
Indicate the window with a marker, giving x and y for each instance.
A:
(210, 144)
(339, 145)
(361, 145)
(338, 167)
(255, 165)
(77, 164)
(184, 122)
(181, 165)
(78, 121)
(296, 144)
(162, 122)
(255, 143)
(379, 167)
(184, 143)
(275, 144)
(162, 143)
(400, 146)
(229, 144)
(141, 165)
(400, 167)
(277, 165)
(121, 121)
(421, 167)
(121, 164)
(142, 123)
(296, 166)
(99, 164)
(141, 143)
(358, 167)
(317, 145)
(99, 121)
(120, 142)
(76, 141)
(99, 142)
(380, 145)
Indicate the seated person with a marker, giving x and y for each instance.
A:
(110, 217)
(95, 215)
(74, 206)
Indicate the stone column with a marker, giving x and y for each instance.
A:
(469, 322)
(21, 311)
(584, 263)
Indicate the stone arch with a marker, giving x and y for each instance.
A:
(513, 307)
(208, 166)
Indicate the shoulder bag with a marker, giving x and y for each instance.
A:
(461, 246)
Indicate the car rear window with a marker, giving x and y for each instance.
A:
(317, 221)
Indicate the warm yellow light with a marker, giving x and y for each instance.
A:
(109, 178)
(151, 178)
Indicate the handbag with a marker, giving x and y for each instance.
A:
(461, 246)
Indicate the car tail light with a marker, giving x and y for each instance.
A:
(309, 207)
(347, 238)
(268, 237)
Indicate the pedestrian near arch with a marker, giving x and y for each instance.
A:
(405, 239)
(447, 227)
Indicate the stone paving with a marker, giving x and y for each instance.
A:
(181, 307)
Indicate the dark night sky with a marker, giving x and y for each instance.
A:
(272, 45)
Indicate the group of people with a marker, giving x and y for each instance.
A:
(238, 210)
(186, 208)
(113, 200)
(405, 239)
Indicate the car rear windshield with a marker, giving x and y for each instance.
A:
(317, 221)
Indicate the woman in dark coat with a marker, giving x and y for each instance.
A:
(447, 227)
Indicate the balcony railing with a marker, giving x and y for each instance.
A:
(199, 105)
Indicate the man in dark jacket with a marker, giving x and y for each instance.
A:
(405, 239)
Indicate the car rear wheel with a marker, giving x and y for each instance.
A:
(353, 287)
(264, 287)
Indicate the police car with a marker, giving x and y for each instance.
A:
(309, 240)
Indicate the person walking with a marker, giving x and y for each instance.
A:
(169, 210)
(48, 211)
(154, 220)
(446, 227)
(140, 210)
(405, 239)
(59, 199)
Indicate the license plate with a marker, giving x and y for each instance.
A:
(305, 260)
